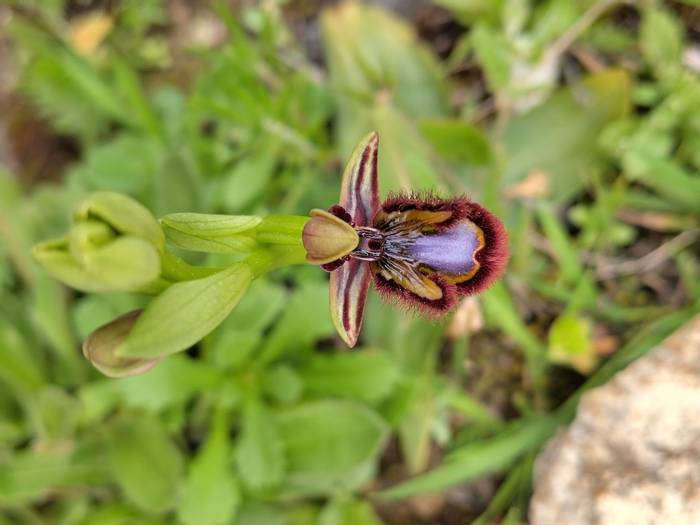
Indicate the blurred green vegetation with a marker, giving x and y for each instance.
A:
(576, 121)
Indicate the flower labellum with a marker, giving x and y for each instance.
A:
(423, 251)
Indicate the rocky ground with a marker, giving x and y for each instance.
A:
(632, 454)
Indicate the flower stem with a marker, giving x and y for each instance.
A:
(282, 230)
(176, 269)
(266, 260)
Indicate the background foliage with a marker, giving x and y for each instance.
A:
(576, 121)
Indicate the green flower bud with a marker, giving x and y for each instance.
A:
(100, 348)
(201, 232)
(123, 214)
(232, 233)
(115, 244)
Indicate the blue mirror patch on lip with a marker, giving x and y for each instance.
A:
(450, 251)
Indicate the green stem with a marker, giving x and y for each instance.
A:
(284, 230)
(264, 261)
(175, 269)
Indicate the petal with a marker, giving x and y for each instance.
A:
(359, 193)
(348, 292)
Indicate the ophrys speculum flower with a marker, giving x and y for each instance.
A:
(422, 250)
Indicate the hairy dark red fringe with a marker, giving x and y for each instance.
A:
(493, 257)
(391, 292)
(429, 202)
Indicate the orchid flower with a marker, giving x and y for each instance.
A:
(423, 251)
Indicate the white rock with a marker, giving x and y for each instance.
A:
(632, 455)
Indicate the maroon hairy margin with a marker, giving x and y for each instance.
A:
(389, 291)
(493, 257)
(428, 202)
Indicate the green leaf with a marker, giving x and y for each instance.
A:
(570, 343)
(255, 513)
(259, 453)
(366, 376)
(418, 416)
(125, 164)
(568, 124)
(59, 412)
(117, 514)
(518, 482)
(383, 80)
(30, 476)
(305, 320)
(661, 39)
(565, 251)
(249, 178)
(364, 61)
(348, 512)
(501, 311)
(479, 458)
(92, 311)
(17, 366)
(467, 11)
(233, 347)
(211, 494)
(98, 399)
(492, 52)
(458, 141)
(324, 458)
(261, 306)
(174, 381)
(145, 462)
(232, 343)
(186, 312)
(283, 384)
(83, 84)
(406, 161)
(665, 176)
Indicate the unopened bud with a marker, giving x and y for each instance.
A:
(101, 345)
